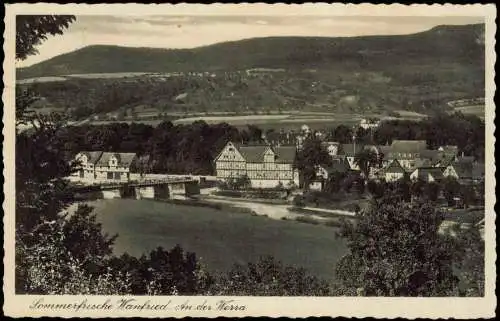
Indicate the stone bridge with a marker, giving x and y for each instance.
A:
(148, 189)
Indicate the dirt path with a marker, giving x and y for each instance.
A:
(276, 211)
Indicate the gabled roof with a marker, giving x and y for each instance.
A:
(395, 167)
(449, 149)
(348, 149)
(431, 154)
(339, 166)
(385, 150)
(423, 162)
(285, 154)
(408, 146)
(465, 159)
(124, 159)
(478, 170)
(253, 154)
(463, 169)
(445, 160)
(92, 157)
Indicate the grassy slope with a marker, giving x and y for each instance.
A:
(221, 238)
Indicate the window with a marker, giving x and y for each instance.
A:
(118, 175)
(110, 175)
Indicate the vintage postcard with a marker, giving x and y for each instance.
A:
(249, 160)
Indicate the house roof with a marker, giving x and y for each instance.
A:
(339, 165)
(465, 159)
(478, 170)
(286, 154)
(395, 167)
(449, 149)
(124, 159)
(423, 162)
(463, 169)
(431, 154)
(255, 154)
(348, 149)
(408, 146)
(444, 160)
(326, 144)
(92, 157)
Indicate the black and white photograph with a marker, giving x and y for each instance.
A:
(278, 152)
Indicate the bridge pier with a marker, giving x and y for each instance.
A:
(145, 192)
(161, 191)
(147, 189)
(111, 193)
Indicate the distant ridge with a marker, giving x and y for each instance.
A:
(453, 44)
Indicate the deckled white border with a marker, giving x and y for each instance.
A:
(18, 305)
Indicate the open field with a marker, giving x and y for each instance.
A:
(220, 238)
(477, 110)
(409, 114)
(41, 80)
(286, 120)
(153, 123)
(107, 75)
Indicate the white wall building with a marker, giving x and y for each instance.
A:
(265, 166)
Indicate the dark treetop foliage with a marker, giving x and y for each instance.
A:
(32, 30)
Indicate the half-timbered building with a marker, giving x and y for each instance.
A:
(265, 166)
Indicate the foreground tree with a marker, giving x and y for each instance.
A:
(396, 250)
(309, 158)
(366, 160)
(54, 254)
(269, 277)
(32, 30)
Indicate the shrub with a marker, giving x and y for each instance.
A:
(307, 219)
(299, 201)
(229, 193)
(268, 277)
(333, 223)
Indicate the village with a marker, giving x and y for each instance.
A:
(273, 166)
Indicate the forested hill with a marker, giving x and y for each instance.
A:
(430, 50)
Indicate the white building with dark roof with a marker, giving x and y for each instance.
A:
(97, 166)
(406, 152)
(86, 162)
(265, 166)
(115, 166)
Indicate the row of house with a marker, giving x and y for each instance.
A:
(407, 158)
(267, 166)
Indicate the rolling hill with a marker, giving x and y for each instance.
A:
(440, 44)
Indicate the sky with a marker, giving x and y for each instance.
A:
(194, 30)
